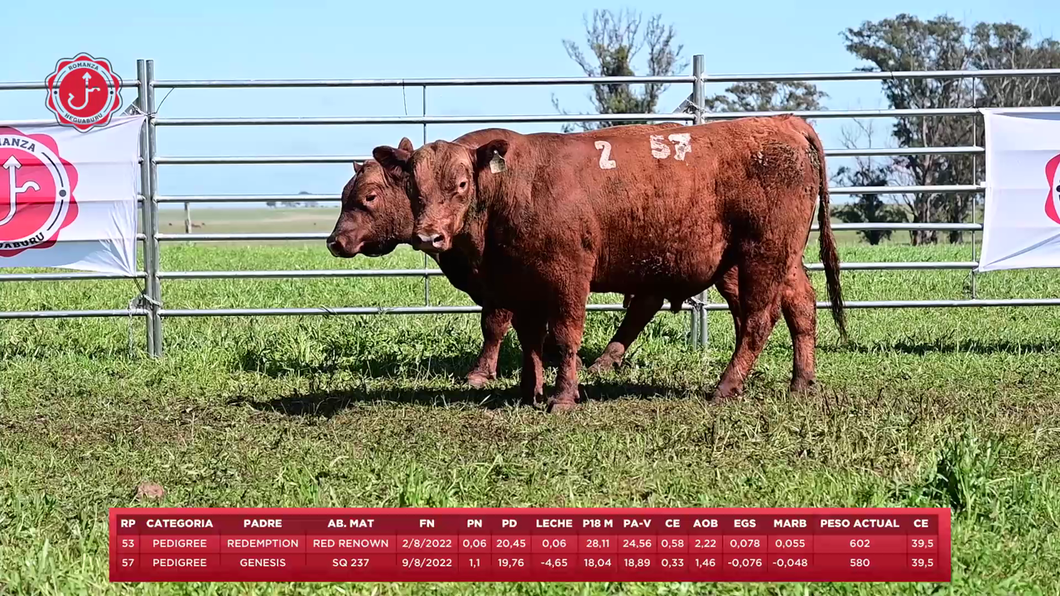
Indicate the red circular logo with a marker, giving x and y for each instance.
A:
(1052, 203)
(36, 192)
(83, 92)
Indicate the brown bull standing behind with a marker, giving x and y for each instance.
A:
(376, 217)
(546, 218)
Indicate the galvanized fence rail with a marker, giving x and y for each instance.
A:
(150, 305)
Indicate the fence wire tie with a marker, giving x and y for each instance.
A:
(689, 107)
(143, 301)
(696, 303)
(139, 302)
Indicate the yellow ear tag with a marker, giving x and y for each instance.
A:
(497, 164)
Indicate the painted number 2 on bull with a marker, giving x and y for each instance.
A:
(606, 163)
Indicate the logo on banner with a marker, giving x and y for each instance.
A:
(1052, 204)
(36, 192)
(83, 92)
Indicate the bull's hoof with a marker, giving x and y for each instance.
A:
(603, 364)
(802, 386)
(724, 393)
(560, 407)
(478, 379)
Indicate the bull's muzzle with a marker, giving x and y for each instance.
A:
(338, 247)
(430, 242)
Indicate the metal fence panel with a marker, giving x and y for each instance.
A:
(151, 304)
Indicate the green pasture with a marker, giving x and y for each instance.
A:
(951, 408)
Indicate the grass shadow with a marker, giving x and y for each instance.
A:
(948, 346)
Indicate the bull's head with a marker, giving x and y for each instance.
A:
(376, 215)
(441, 186)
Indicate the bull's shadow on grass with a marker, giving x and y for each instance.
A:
(326, 404)
(375, 366)
(384, 364)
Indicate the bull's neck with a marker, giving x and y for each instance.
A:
(471, 240)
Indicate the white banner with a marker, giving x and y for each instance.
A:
(68, 198)
(1021, 228)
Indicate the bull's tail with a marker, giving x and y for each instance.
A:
(829, 254)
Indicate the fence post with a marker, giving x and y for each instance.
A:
(154, 288)
(145, 190)
(975, 180)
(700, 336)
(426, 278)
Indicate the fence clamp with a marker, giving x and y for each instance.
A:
(697, 304)
(145, 302)
(134, 110)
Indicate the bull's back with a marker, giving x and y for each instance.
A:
(693, 173)
(669, 202)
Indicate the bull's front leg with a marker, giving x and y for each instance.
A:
(495, 324)
(567, 323)
(550, 354)
(530, 327)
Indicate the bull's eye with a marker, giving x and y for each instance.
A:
(369, 198)
(463, 185)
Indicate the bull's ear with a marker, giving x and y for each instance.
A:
(393, 160)
(486, 152)
(406, 145)
(358, 167)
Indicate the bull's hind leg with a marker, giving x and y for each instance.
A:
(640, 312)
(729, 288)
(530, 327)
(799, 304)
(760, 284)
(495, 323)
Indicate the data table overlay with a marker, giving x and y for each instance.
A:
(698, 545)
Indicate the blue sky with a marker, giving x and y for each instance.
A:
(197, 39)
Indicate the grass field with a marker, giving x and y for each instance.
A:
(951, 408)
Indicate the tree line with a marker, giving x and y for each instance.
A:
(905, 42)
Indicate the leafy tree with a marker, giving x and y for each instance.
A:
(870, 207)
(906, 42)
(867, 208)
(614, 41)
(1005, 45)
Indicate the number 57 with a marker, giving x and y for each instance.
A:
(682, 146)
